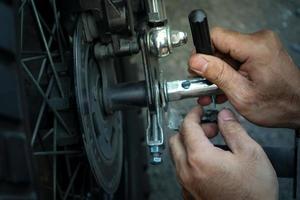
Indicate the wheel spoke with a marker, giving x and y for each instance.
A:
(56, 16)
(36, 61)
(47, 134)
(56, 153)
(41, 112)
(58, 82)
(28, 59)
(43, 66)
(54, 159)
(57, 115)
(72, 181)
(37, 53)
(21, 9)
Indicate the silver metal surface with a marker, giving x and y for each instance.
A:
(161, 40)
(178, 38)
(158, 41)
(156, 11)
(154, 131)
(182, 89)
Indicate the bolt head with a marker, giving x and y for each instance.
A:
(154, 149)
(155, 160)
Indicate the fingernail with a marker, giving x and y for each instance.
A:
(226, 115)
(199, 64)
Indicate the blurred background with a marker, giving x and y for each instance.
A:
(281, 16)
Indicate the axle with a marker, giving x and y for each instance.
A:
(126, 95)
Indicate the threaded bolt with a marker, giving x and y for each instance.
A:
(155, 155)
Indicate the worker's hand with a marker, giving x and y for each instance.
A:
(208, 172)
(256, 74)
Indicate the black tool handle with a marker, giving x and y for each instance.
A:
(202, 42)
(200, 31)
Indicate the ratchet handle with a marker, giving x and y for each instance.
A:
(200, 32)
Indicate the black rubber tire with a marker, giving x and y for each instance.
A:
(16, 177)
(16, 168)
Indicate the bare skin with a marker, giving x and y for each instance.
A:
(261, 81)
(256, 74)
(208, 172)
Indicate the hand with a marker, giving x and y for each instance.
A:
(208, 172)
(266, 86)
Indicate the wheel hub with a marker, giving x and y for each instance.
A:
(102, 133)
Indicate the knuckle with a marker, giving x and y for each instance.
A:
(268, 41)
(184, 126)
(193, 160)
(220, 75)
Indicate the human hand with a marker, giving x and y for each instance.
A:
(256, 74)
(208, 172)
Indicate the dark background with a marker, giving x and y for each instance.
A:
(282, 16)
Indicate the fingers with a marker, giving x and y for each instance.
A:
(206, 100)
(177, 150)
(220, 73)
(192, 134)
(234, 134)
(235, 44)
(210, 129)
(222, 98)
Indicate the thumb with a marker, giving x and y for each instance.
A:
(233, 133)
(218, 72)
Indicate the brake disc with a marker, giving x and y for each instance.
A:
(102, 133)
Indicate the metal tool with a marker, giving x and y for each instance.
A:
(154, 93)
(183, 89)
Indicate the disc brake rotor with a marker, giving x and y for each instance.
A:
(102, 133)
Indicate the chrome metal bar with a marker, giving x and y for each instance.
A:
(156, 11)
(183, 89)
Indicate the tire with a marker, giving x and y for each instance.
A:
(48, 165)
(16, 175)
